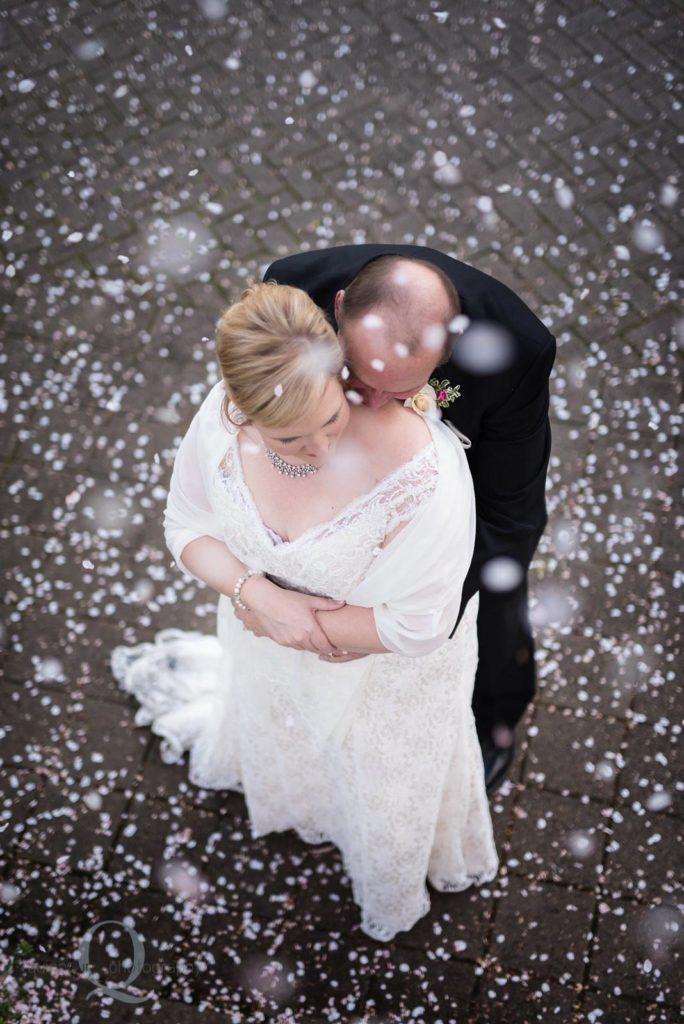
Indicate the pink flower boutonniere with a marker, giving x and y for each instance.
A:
(445, 393)
(435, 393)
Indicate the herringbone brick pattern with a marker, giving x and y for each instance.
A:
(155, 154)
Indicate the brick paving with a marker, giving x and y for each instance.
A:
(157, 153)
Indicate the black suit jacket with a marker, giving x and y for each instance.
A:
(505, 414)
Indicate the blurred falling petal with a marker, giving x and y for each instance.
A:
(378, 364)
(448, 174)
(669, 194)
(401, 350)
(501, 574)
(90, 49)
(483, 348)
(564, 537)
(165, 414)
(307, 80)
(107, 510)
(647, 236)
(354, 397)
(659, 800)
(679, 333)
(92, 800)
(577, 373)
(564, 194)
(213, 9)
(502, 736)
(278, 390)
(581, 843)
(182, 880)
(434, 413)
(605, 770)
(271, 978)
(49, 670)
(115, 287)
(433, 337)
(250, 447)
(550, 605)
(346, 465)
(459, 324)
(344, 373)
(9, 892)
(317, 359)
(143, 591)
(371, 321)
(657, 931)
(182, 247)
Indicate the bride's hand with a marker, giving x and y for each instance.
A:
(286, 616)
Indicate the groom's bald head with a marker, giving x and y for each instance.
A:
(392, 321)
(409, 295)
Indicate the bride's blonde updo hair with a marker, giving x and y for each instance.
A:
(276, 352)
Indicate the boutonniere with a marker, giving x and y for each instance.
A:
(445, 393)
(434, 393)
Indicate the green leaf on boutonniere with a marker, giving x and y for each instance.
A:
(446, 392)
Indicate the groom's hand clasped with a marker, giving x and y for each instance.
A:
(337, 659)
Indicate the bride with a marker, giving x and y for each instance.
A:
(349, 531)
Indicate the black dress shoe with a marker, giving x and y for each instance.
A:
(496, 760)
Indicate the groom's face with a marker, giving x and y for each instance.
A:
(380, 367)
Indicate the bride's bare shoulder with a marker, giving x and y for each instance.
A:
(393, 432)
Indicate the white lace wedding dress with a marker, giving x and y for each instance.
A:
(378, 755)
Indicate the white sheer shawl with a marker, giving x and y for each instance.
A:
(414, 585)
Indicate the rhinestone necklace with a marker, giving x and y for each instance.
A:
(289, 470)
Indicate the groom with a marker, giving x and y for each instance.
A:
(409, 314)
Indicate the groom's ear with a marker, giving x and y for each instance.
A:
(338, 302)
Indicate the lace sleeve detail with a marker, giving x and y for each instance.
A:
(413, 486)
(395, 500)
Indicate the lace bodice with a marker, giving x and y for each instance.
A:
(413, 582)
(331, 557)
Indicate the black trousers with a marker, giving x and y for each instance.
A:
(505, 682)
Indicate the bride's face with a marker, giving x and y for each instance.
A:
(313, 437)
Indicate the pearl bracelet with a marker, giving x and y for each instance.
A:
(235, 598)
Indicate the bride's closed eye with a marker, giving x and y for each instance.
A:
(288, 440)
